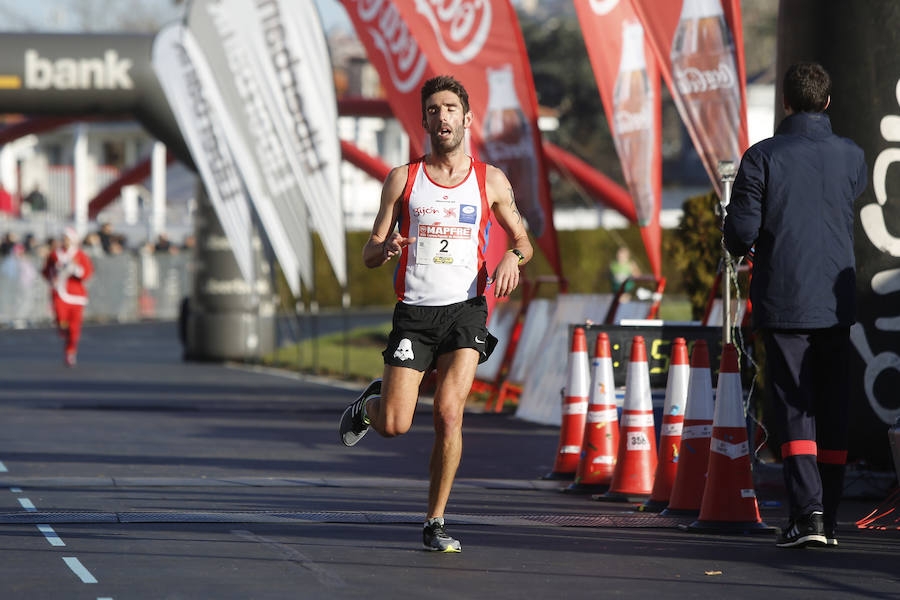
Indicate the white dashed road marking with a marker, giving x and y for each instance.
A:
(83, 574)
(27, 505)
(51, 536)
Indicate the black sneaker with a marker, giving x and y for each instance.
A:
(435, 538)
(830, 538)
(353, 428)
(808, 530)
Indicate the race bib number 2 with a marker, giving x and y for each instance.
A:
(443, 245)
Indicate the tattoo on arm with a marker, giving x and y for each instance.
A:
(512, 205)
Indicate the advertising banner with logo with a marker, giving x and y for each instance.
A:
(284, 140)
(699, 46)
(198, 111)
(628, 80)
(478, 42)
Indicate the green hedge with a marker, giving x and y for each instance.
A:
(585, 254)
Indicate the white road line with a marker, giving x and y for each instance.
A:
(83, 574)
(16, 490)
(3, 467)
(27, 505)
(51, 536)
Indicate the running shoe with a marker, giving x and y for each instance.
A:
(808, 530)
(353, 426)
(830, 538)
(435, 538)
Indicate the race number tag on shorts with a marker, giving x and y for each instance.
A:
(443, 245)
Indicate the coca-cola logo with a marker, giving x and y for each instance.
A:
(627, 122)
(461, 27)
(602, 7)
(691, 80)
(405, 62)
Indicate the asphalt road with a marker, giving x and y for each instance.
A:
(137, 476)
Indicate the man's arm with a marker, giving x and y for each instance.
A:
(503, 204)
(744, 218)
(383, 244)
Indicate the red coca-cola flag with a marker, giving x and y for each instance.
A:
(628, 79)
(700, 48)
(478, 42)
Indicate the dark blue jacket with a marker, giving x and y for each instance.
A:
(793, 198)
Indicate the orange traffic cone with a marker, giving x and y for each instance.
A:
(729, 499)
(601, 431)
(574, 409)
(693, 457)
(670, 434)
(636, 457)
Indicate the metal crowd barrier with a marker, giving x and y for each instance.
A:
(125, 288)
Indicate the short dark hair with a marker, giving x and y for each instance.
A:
(806, 87)
(444, 83)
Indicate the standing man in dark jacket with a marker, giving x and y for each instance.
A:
(793, 199)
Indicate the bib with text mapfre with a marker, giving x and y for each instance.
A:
(449, 223)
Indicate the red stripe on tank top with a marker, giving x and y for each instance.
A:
(400, 274)
(481, 178)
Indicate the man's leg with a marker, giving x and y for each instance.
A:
(391, 414)
(790, 369)
(76, 315)
(455, 374)
(832, 355)
(62, 322)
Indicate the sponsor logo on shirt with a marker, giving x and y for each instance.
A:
(445, 232)
(468, 213)
(426, 210)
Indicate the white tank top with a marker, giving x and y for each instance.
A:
(446, 263)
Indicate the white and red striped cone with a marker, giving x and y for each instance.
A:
(693, 456)
(670, 432)
(574, 410)
(729, 498)
(636, 457)
(601, 431)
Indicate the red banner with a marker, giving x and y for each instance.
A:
(628, 80)
(478, 42)
(700, 48)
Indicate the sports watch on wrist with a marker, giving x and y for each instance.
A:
(518, 253)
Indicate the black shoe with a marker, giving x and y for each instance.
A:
(436, 539)
(808, 530)
(830, 538)
(353, 427)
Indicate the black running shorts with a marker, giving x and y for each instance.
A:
(422, 333)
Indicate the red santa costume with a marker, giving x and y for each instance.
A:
(67, 268)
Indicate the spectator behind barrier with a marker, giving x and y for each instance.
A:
(35, 200)
(164, 245)
(6, 202)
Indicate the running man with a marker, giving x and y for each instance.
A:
(67, 269)
(442, 203)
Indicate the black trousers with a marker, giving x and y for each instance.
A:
(809, 385)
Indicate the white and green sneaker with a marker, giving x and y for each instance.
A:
(354, 423)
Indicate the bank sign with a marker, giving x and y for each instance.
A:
(109, 71)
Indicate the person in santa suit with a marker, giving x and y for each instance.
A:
(67, 268)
